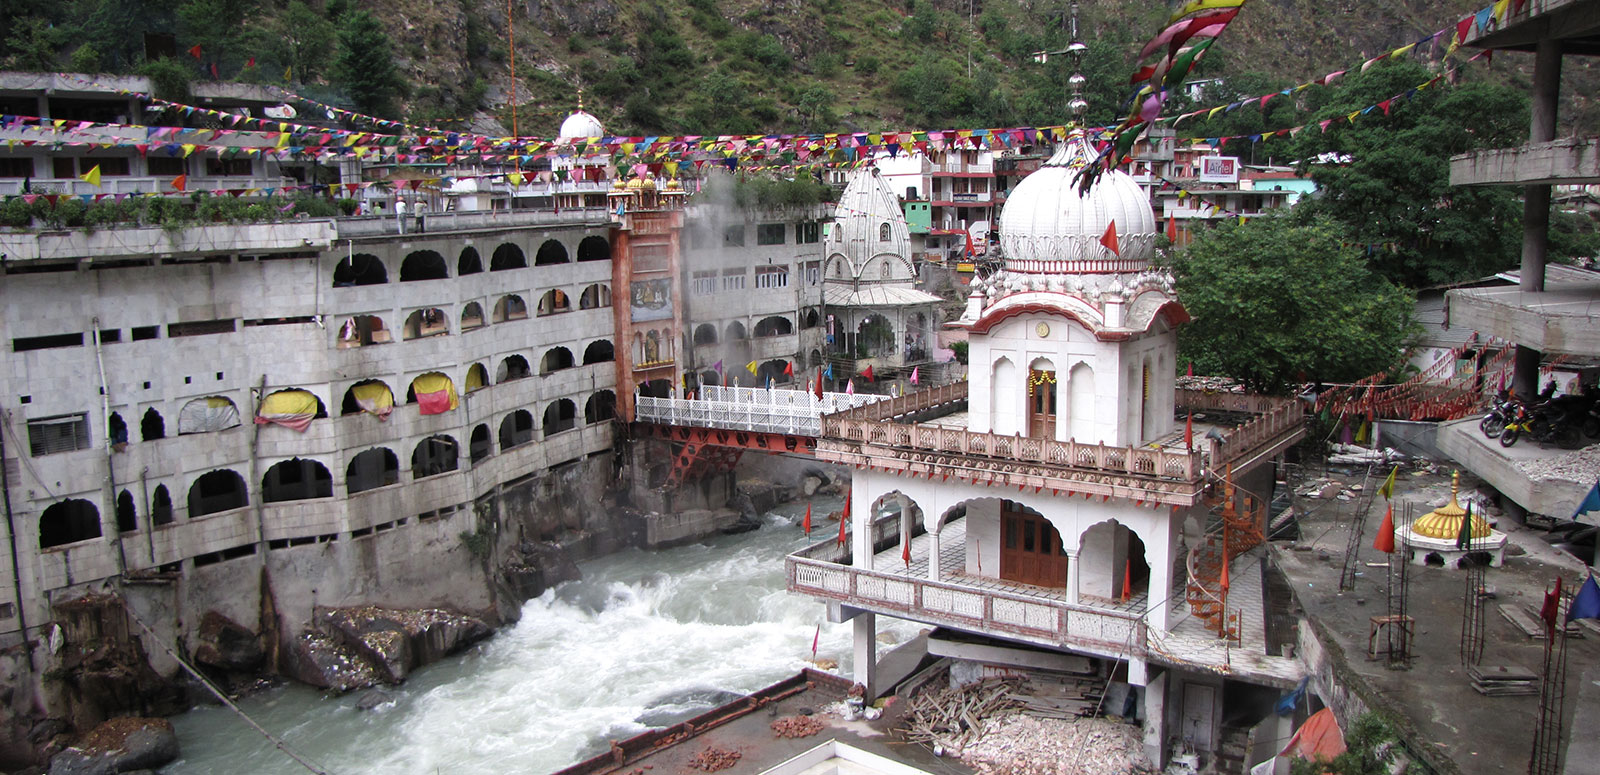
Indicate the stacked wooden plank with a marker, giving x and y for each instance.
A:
(1503, 680)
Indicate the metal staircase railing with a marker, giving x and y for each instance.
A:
(1236, 525)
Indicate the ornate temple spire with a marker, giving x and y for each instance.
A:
(1075, 50)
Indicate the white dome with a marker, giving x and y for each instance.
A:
(870, 238)
(1046, 223)
(579, 125)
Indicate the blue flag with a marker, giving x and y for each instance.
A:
(828, 372)
(1586, 604)
(1590, 502)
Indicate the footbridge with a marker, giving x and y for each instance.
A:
(718, 424)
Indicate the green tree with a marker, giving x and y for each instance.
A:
(365, 68)
(33, 44)
(1385, 178)
(1275, 301)
(307, 40)
(815, 106)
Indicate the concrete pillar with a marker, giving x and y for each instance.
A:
(1155, 720)
(1159, 556)
(933, 555)
(1525, 372)
(866, 652)
(1072, 578)
(1542, 128)
(861, 526)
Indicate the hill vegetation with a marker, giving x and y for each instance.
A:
(701, 66)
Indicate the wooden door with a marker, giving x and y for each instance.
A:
(1030, 549)
(1041, 404)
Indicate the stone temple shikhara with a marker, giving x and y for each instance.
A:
(1060, 509)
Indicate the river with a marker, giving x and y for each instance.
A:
(586, 661)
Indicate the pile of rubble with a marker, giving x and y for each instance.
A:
(1582, 466)
(713, 759)
(796, 726)
(1023, 745)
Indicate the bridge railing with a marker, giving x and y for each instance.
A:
(790, 412)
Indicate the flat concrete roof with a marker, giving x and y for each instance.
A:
(1574, 22)
(1567, 161)
(1441, 711)
(1564, 318)
(1510, 470)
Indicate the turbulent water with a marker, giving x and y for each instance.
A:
(645, 634)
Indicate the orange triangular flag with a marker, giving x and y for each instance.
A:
(1109, 239)
(1384, 541)
(1172, 229)
(1127, 578)
(806, 525)
(905, 549)
(178, 183)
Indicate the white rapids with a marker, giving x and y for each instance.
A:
(656, 636)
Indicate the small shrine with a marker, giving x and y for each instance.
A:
(1437, 535)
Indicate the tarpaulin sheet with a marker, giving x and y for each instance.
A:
(289, 408)
(204, 415)
(1318, 738)
(374, 398)
(476, 377)
(435, 393)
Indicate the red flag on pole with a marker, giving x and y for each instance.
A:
(1127, 578)
(819, 384)
(251, 62)
(1551, 608)
(1172, 229)
(806, 525)
(868, 375)
(1109, 239)
(1384, 541)
(971, 251)
(1190, 371)
(814, 638)
(844, 516)
(195, 51)
(788, 368)
(905, 549)
(1188, 432)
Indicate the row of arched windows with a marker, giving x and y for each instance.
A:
(363, 330)
(418, 265)
(72, 520)
(774, 325)
(200, 415)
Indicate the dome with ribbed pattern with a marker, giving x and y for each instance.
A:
(1049, 226)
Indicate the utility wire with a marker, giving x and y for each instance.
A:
(278, 743)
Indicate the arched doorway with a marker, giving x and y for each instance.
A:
(1031, 551)
(1113, 563)
(1042, 399)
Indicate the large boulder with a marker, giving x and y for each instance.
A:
(228, 645)
(119, 745)
(318, 660)
(397, 641)
(538, 566)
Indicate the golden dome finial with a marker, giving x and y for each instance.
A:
(1444, 523)
(580, 98)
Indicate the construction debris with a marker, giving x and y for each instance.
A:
(1503, 680)
(1021, 745)
(713, 759)
(1581, 466)
(950, 719)
(796, 726)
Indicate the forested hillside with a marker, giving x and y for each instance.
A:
(706, 66)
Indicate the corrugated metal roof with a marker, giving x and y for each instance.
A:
(876, 296)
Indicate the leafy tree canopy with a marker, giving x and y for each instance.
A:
(1385, 179)
(1276, 300)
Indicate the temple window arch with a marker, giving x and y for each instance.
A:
(510, 307)
(513, 367)
(472, 316)
(214, 491)
(561, 415)
(550, 253)
(423, 265)
(555, 359)
(477, 378)
(554, 302)
(371, 396)
(361, 331)
(883, 232)
(599, 351)
(600, 407)
(424, 323)
(705, 334)
(369, 470)
(507, 256)
(469, 262)
(516, 429)
(594, 248)
(360, 269)
(152, 426)
(296, 479)
(1080, 403)
(596, 296)
(481, 445)
(68, 522)
(435, 455)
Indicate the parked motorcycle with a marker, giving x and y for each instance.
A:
(1547, 422)
(1500, 413)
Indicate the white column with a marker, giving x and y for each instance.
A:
(861, 525)
(1160, 586)
(1072, 577)
(866, 652)
(933, 555)
(1155, 720)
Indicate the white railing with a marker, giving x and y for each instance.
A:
(793, 412)
(969, 607)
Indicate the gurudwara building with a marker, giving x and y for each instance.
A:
(1067, 506)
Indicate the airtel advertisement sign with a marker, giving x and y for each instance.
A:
(1219, 169)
